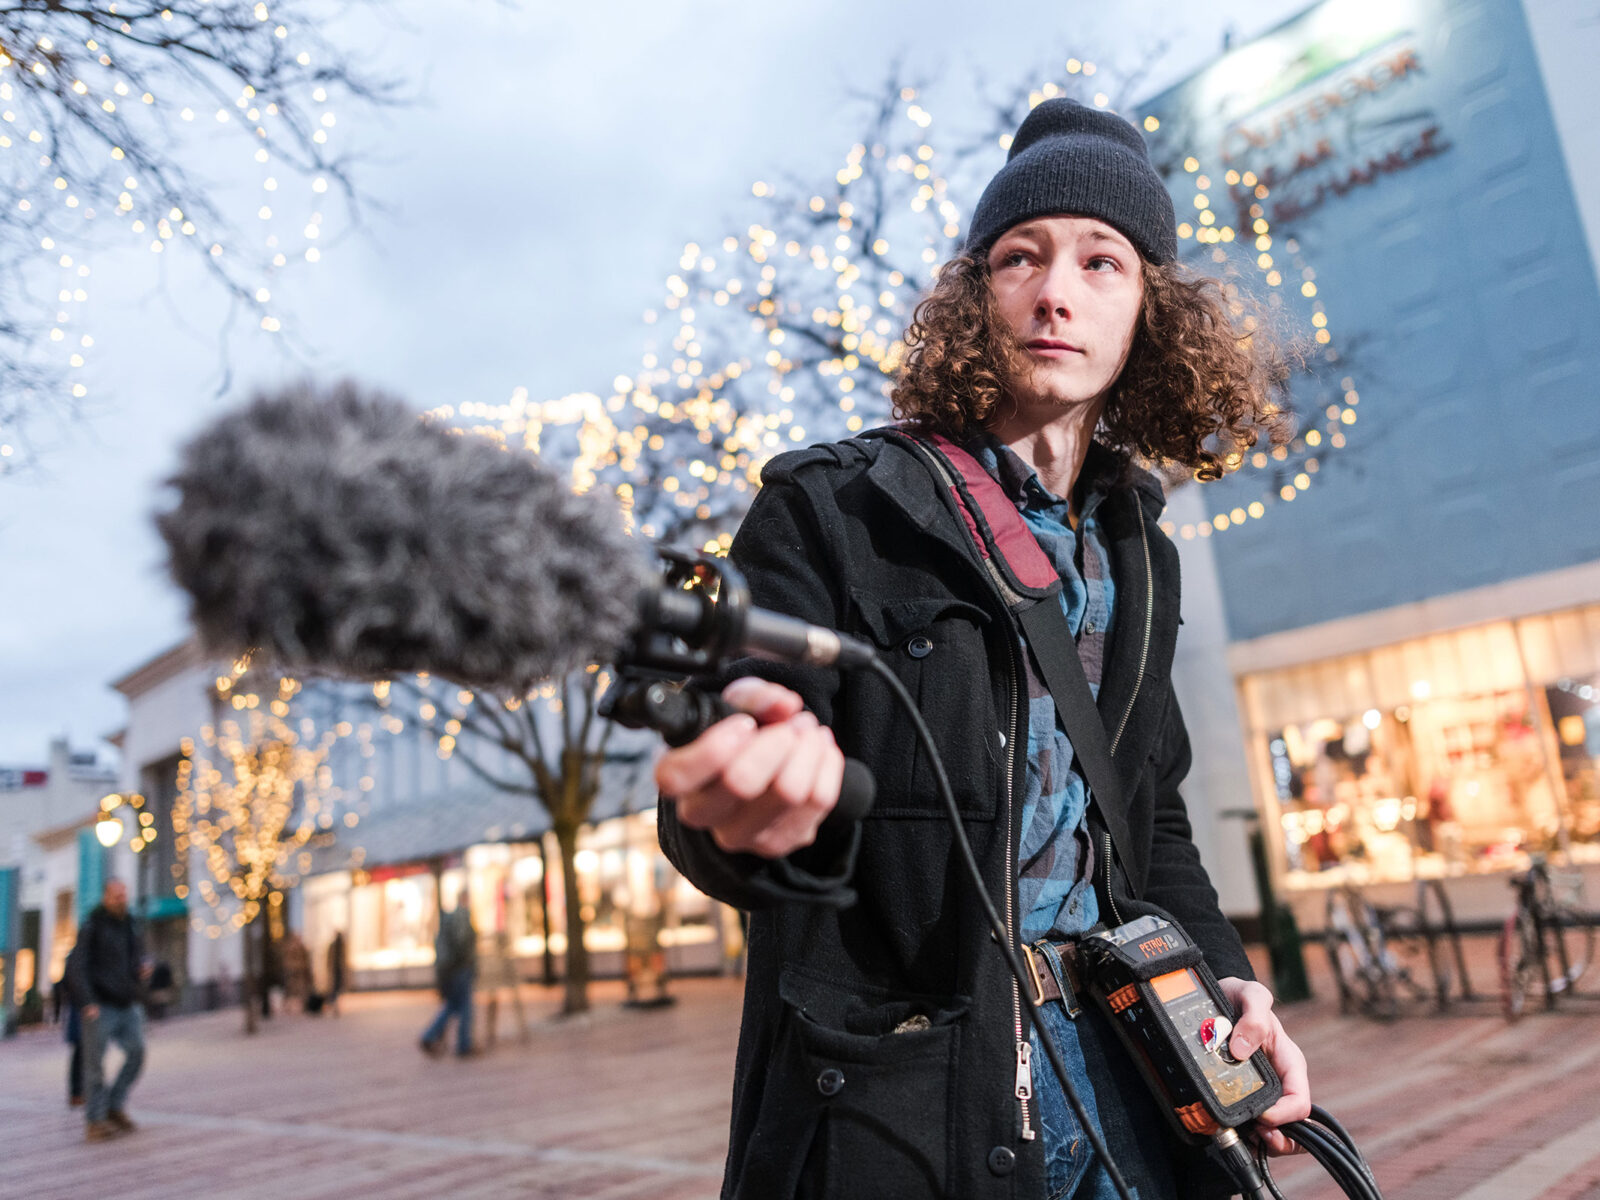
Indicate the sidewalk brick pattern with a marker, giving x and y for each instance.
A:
(632, 1105)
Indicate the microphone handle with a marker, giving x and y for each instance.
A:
(682, 714)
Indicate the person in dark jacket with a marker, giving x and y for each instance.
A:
(455, 967)
(66, 1013)
(337, 970)
(884, 1050)
(107, 970)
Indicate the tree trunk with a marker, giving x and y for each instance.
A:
(576, 999)
(247, 985)
(549, 968)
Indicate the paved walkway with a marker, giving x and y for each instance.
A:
(629, 1105)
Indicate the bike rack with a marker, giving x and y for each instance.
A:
(1449, 929)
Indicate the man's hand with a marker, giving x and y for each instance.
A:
(760, 783)
(1258, 1028)
(91, 1012)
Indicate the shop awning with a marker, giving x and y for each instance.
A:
(448, 823)
(441, 825)
(1480, 660)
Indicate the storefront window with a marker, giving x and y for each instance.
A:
(393, 918)
(1453, 753)
(625, 883)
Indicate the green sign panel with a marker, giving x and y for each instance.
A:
(91, 873)
(10, 905)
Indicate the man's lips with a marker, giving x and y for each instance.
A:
(1052, 346)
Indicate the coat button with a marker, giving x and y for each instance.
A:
(920, 646)
(1001, 1161)
(830, 1082)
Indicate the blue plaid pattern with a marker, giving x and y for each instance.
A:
(1055, 859)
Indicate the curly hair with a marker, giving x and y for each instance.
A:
(1197, 389)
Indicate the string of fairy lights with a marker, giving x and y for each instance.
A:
(1326, 432)
(54, 198)
(251, 796)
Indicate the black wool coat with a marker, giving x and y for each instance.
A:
(104, 965)
(877, 1053)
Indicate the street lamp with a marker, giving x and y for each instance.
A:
(108, 829)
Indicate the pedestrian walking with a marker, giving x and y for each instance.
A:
(455, 968)
(1061, 348)
(296, 972)
(337, 969)
(65, 1013)
(106, 973)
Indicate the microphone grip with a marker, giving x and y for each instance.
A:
(683, 714)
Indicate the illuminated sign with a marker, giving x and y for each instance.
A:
(1334, 134)
(1335, 101)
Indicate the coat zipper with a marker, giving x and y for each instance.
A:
(1144, 649)
(1138, 679)
(1111, 895)
(1024, 1056)
(1024, 1080)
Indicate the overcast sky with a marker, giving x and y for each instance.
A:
(535, 195)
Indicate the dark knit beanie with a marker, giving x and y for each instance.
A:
(1070, 158)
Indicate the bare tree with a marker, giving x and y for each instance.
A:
(548, 746)
(102, 108)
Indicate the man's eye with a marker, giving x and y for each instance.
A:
(1102, 262)
(1013, 258)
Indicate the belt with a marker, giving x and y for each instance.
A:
(1054, 971)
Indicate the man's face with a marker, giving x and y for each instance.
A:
(116, 898)
(1070, 289)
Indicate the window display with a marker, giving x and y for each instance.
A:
(1449, 754)
(627, 887)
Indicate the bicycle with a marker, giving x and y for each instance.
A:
(1542, 932)
(1378, 954)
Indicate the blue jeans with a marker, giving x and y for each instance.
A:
(125, 1026)
(1117, 1100)
(457, 992)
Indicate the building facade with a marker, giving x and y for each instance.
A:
(1407, 598)
(51, 866)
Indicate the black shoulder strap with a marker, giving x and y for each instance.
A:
(1055, 652)
(1001, 534)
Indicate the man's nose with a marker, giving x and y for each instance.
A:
(1055, 300)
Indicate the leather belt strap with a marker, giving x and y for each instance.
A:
(1046, 986)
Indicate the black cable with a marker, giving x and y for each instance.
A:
(1266, 1172)
(1325, 1117)
(1337, 1156)
(1002, 936)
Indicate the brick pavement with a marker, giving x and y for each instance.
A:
(625, 1105)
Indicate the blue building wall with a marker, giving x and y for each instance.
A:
(1456, 283)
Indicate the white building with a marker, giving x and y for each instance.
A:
(43, 811)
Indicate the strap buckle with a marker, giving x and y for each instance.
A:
(1029, 956)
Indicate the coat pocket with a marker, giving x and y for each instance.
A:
(936, 646)
(877, 1072)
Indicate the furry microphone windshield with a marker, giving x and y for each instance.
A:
(336, 530)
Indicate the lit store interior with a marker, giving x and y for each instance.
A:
(1454, 754)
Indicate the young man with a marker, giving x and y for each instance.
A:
(106, 972)
(884, 1050)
